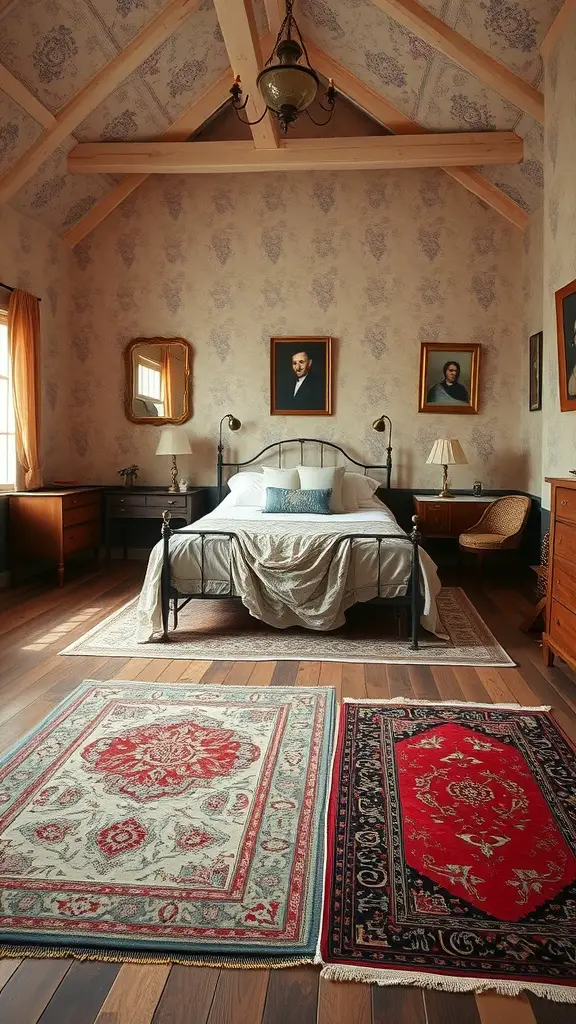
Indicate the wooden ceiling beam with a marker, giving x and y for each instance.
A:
(240, 34)
(189, 122)
(25, 99)
(163, 25)
(442, 37)
(275, 12)
(558, 26)
(381, 110)
(378, 152)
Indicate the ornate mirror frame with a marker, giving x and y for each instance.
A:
(157, 421)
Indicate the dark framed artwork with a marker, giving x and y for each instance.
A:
(535, 399)
(449, 376)
(566, 331)
(301, 376)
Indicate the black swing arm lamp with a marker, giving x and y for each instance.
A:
(380, 426)
(233, 424)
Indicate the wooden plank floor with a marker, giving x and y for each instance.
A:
(38, 620)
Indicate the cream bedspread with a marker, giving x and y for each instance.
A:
(290, 570)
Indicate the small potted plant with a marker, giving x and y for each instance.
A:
(130, 474)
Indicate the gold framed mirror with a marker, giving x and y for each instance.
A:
(158, 380)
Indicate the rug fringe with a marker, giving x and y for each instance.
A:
(134, 956)
(447, 983)
(447, 703)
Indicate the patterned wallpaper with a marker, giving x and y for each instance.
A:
(380, 261)
(559, 428)
(532, 322)
(32, 257)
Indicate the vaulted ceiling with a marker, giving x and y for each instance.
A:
(55, 47)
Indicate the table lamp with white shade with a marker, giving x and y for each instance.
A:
(173, 441)
(446, 452)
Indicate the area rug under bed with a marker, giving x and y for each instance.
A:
(452, 839)
(168, 823)
(224, 631)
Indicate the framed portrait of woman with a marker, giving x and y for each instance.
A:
(566, 334)
(449, 376)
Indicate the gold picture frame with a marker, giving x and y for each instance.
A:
(449, 378)
(301, 376)
(566, 338)
(181, 398)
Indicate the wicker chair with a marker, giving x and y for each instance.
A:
(499, 529)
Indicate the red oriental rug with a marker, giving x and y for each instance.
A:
(142, 821)
(452, 849)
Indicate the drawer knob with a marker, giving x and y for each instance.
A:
(564, 501)
(171, 502)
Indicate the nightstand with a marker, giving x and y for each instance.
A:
(129, 503)
(52, 525)
(449, 517)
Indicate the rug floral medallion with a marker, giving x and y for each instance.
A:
(452, 853)
(183, 818)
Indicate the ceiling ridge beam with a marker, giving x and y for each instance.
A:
(558, 26)
(374, 104)
(379, 152)
(462, 51)
(21, 95)
(163, 25)
(238, 25)
(204, 107)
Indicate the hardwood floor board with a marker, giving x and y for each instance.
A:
(217, 672)
(16, 728)
(195, 671)
(292, 996)
(284, 673)
(241, 673)
(469, 682)
(134, 995)
(150, 672)
(30, 989)
(354, 680)
(131, 668)
(523, 693)
(262, 673)
(377, 681)
(547, 1012)
(450, 1007)
(446, 682)
(495, 1009)
(494, 683)
(399, 684)
(308, 673)
(173, 671)
(7, 968)
(399, 1005)
(239, 997)
(187, 996)
(340, 1002)
(81, 993)
(422, 682)
(331, 675)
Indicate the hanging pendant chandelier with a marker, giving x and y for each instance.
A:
(287, 87)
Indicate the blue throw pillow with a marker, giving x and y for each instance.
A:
(305, 502)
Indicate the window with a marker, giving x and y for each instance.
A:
(149, 383)
(7, 426)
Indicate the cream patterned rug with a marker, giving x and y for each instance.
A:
(224, 631)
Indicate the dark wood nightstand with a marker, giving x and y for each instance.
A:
(449, 517)
(131, 503)
(52, 525)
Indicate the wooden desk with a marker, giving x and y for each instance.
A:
(51, 525)
(129, 503)
(449, 517)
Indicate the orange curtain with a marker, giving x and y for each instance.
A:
(166, 382)
(24, 347)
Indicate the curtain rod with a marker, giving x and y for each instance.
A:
(9, 288)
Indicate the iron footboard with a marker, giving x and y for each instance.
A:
(413, 598)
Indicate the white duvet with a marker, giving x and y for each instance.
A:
(290, 570)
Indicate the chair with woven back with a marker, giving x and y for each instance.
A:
(500, 527)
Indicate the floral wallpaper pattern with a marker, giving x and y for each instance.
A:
(559, 428)
(381, 262)
(56, 46)
(32, 257)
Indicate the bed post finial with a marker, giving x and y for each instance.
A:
(415, 536)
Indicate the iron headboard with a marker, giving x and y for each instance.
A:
(302, 441)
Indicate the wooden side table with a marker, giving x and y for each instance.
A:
(149, 503)
(449, 517)
(51, 525)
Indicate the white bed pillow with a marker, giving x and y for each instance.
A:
(281, 478)
(246, 489)
(364, 488)
(314, 478)
(349, 499)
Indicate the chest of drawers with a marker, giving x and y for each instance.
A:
(448, 517)
(560, 635)
(49, 526)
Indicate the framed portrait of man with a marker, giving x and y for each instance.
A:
(449, 377)
(301, 376)
(535, 379)
(566, 332)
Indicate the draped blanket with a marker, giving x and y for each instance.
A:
(287, 573)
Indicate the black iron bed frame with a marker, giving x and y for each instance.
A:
(411, 601)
